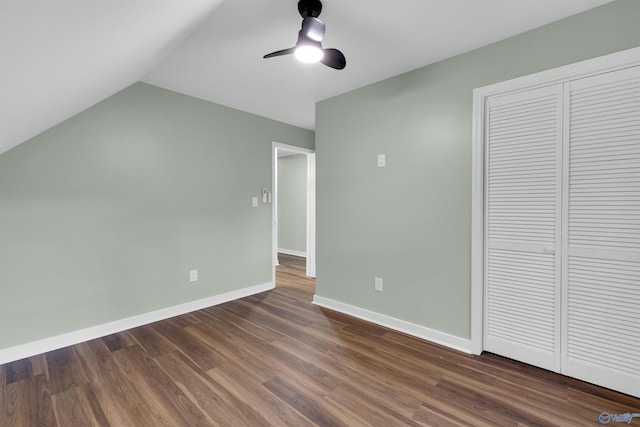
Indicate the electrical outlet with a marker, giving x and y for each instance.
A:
(193, 275)
(382, 160)
(377, 284)
(254, 202)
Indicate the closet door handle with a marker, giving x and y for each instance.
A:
(549, 250)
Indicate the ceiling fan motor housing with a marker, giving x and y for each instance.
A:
(309, 8)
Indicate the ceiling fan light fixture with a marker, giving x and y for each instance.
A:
(309, 49)
(309, 54)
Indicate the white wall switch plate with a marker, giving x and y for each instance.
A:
(382, 160)
(377, 284)
(254, 202)
(193, 275)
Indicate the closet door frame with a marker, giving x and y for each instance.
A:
(590, 67)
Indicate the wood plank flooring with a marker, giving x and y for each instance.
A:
(275, 359)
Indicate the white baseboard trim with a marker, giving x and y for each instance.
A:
(409, 328)
(59, 341)
(292, 252)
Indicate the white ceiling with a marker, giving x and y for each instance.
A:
(59, 57)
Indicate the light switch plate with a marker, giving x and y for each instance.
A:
(254, 202)
(377, 284)
(382, 160)
(193, 275)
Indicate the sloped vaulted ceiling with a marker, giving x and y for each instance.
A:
(59, 57)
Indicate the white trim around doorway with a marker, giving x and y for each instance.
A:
(311, 203)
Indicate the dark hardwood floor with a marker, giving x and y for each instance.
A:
(276, 359)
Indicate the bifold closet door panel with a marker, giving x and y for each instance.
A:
(522, 230)
(601, 301)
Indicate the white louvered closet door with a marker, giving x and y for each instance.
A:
(601, 298)
(522, 230)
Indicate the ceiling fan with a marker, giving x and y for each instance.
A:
(308, 48)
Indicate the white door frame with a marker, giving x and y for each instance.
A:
(311, 204)
(614, 61)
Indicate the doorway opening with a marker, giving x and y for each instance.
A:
(283, 151)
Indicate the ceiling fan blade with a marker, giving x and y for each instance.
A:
(313, 28)
(334, 58)
(280, 52)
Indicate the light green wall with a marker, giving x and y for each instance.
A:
(292, 202)
(410, 223)
(103, 216)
